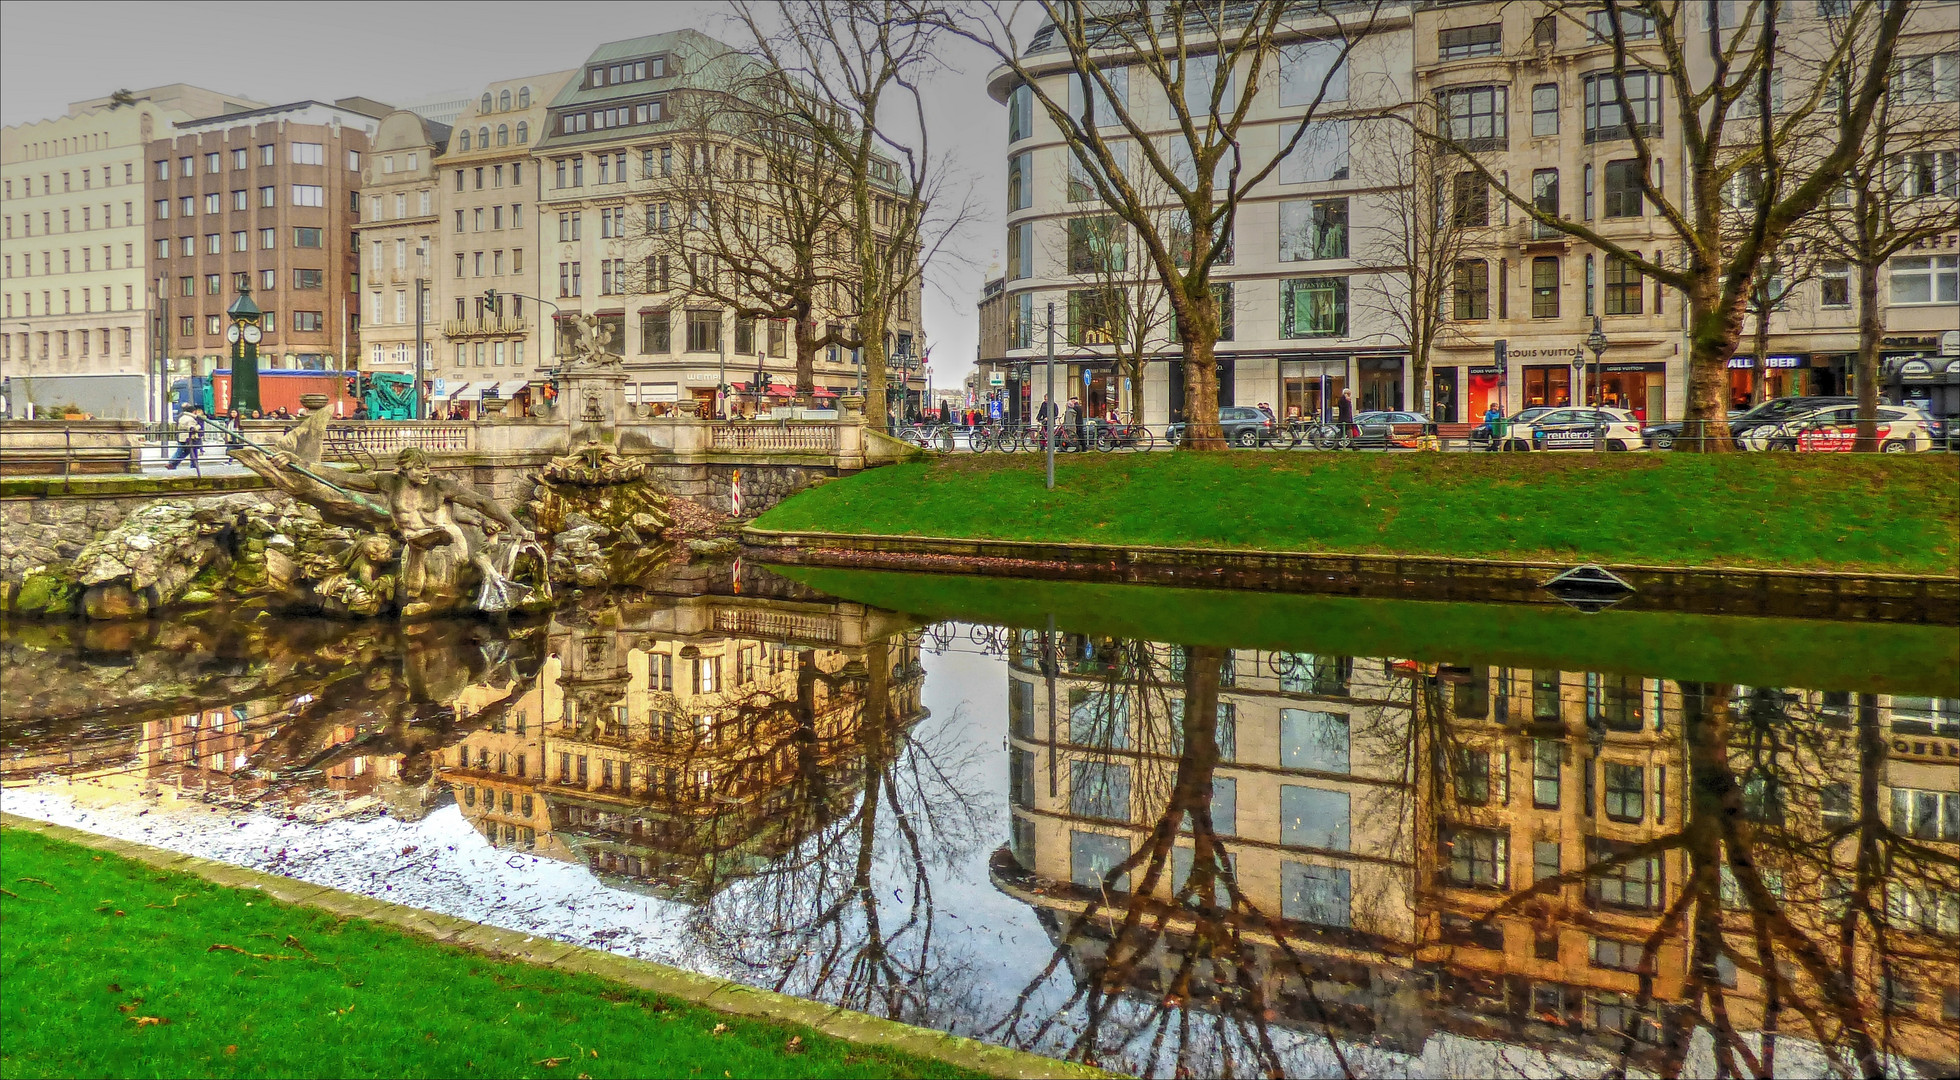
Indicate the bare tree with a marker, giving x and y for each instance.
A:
(1117, 302)
(1427, 215)
(1892, 200)
(1205, 63)
(1723, 83)
(754, 218)
(851, 78)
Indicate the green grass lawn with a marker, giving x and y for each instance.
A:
(112, 968)
(1892, 513)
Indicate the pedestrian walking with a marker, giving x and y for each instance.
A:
(1074, 424)
(190, 436)
(1344, 413)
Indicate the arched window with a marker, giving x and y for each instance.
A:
(466, 138)
(503, 134)
(503, 101)
(523, 99)
(483, 137)
(523, 132)
(484, 105)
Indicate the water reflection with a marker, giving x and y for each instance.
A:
(1203, 860)
(1373, 852)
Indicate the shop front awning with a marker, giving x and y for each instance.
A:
(470, 392)
(509, 388)
(453, 391)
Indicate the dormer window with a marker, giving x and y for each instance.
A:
(626, 71)
(484, 104)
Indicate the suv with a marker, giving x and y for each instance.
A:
(1242, 427)
(1771, 412)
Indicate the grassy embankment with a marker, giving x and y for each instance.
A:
(1892, 514)
(1865, 657)
(114, 968)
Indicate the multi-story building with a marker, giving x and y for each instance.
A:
(1294, 332)
(74, 277)
(612, 143)
(488, 237)
(396, 240)
(265, 200)
(995, 377)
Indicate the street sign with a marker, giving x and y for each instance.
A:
(993, 408)
(996, 378)
(442, 388)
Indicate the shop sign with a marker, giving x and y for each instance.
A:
(1568, 437)
(1747, 362)
(1634, 367)
(1916, 369)
(1484, 369)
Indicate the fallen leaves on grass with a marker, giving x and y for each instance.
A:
(147, 1021)
(36, 881)
(719, 1028)
(550, 1063)
(794, 1046)
(292, 942)
(221, 947)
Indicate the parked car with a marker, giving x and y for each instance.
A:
(1577, 429)
(1901, 428)
(1773, 411)
(1480, 435)
(1242, 426)
(1387, 429)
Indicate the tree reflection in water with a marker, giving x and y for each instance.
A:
(1516, 869)
(816, 921)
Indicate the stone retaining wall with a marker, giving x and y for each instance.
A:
(53, 527)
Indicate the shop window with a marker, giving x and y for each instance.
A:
(1544, 287)
(1314, 307)
(1380, 379)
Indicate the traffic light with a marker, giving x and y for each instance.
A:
(490, 301)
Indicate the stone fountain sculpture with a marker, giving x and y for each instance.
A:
(416, 540)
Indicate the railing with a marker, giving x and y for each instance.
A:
(765, 436)
(383, 438)
(496, 324)
(775, 625)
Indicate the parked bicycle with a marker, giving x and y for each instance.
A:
(1333, 436)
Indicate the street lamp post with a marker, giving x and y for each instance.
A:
(1596, 341)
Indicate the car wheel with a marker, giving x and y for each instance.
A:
(1247, 438)
(1664, 441)
(1616, 444)
(1895, 446)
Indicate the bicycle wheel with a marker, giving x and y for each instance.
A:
(1141, 440)
(945, 439)
(1105, 440)
(1322, 437)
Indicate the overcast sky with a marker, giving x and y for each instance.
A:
(55, 53)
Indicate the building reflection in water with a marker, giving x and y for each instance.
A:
(1231, 850)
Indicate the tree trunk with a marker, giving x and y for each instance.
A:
(1759, 377)
(806, 353)
(872, 333)
(1871, 333)
(1713, 331)
(1198, 333)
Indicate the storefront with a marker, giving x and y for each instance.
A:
(1546, 384)
(1637, 387)
(1309, 388)
(1379, 380)
(1482, 387)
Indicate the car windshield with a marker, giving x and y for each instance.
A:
(1532, 413)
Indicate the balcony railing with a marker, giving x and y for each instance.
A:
(485, 326)
(813, 438)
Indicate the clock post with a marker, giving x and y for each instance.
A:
(243, 334)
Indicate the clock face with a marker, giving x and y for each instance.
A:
(252, 334)
(231, 333)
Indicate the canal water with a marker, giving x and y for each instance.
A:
(1166, 831)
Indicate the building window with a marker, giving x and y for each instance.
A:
(308, 153)
(309, 321)
(1314, 307)
(703, 331)
(1477, 858)
(1474, 117)
(656, 332)
(1313, 229)
(1312, 71)
(1926, 815)
(1925, 279)
(1616, 955)
(269, 239)
(309, 279)
(1020, 250)
(1020, 182)
(1544, 287)
(1321, 895)
(1321, 155)
(1607, 118)
(1470, 198)
(1635, 883)
(1472, 777)
(1020, 114)
(1623, 289)
(1835, 285)
(1471, 289)
(268, 281)
(1544, 109)
(1312, 817)
(1634, 25)
(1095, 245)
(1090, 320)
(1546, 762)
(1626, 791)
(1623, 194)
(1467, 41)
